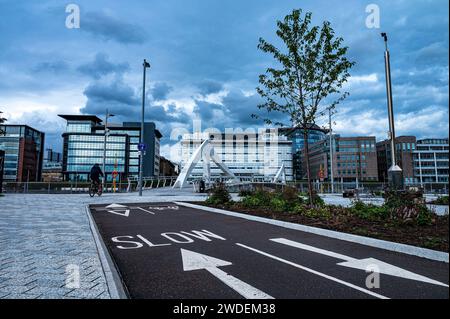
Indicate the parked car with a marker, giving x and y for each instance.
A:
(349, 193)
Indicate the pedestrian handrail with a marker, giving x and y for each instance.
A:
(70, 187)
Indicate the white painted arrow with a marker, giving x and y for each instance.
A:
(116, 206)
(119, 210)
(196, 261)
(363, 264)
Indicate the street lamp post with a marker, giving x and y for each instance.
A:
(141, 151)
(107, 115)
(331, 152)
(395, 174)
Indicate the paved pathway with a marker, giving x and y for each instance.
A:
(44, 239)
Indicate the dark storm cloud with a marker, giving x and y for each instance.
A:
(51, 67)
(101, 66)
(235, 111)
(160, 91)
(110, 28)
(210, 86)
(125, 102)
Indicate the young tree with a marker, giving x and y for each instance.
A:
(313, 67)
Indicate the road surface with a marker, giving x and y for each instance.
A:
(164, 250)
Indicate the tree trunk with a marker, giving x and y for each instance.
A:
(308, 170)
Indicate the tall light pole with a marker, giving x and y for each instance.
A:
(395, 174)
(107, 115)
(331, 151)
(141, 146)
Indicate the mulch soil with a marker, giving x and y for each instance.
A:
(434, 236)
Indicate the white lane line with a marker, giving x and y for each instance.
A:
(196, 261)
(245, 290)
(147, 211)
(362, 264)
(312, 248)
(371, 293)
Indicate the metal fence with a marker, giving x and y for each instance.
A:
(372, 188)
(74, 187)
(167, 181)
(368, 187)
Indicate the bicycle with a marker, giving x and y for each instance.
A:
(95, 188)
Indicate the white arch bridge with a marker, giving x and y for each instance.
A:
(206, 154)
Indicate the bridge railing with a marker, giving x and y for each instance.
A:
(57, 187)
(150, 182)
(73, 187)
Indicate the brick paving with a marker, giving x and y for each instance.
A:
(43, 238)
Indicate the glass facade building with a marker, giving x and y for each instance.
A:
(315, 134)
(354, 159)
(404, 146)
(251, 156)
(24, 151)
(84, 146)
(431, 162)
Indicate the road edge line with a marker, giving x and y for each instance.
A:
(367, 241)
(114, 281)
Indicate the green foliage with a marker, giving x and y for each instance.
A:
(218, 195)
(317, 212)
(291, 194)
(425, 217)
(399, 206)
(278, 204)
(369, 211)
(312, 67)
(443, 200)
(245, 192)
(378, 193)
(317, 201)
(259, 198)
(279, 201)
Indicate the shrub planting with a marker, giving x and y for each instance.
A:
(443, 200)
(218, 195)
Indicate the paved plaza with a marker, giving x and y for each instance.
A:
(43, 238)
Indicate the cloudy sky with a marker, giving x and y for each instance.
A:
(205, 63)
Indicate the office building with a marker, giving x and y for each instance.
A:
(167, 168)
(52, 167)
(354, 159)
(2, 161)
(315, 134)
(249, 156)
(24, 153)
(52, 156)
(84, 146)
(404, 146)
(431, 162)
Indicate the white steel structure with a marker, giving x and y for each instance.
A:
(431, 161)
(243, 157)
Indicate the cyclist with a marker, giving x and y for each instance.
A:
(95, 174)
